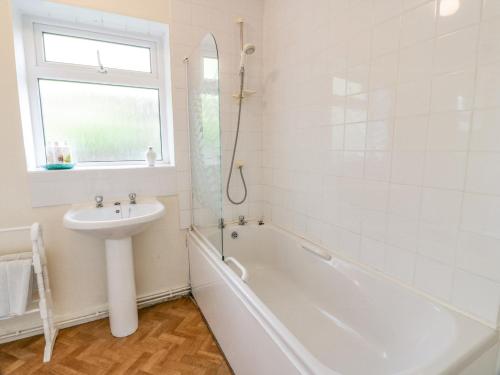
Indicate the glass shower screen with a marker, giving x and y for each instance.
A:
(205, 140)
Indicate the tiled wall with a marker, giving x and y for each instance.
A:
(381, 138)
(191, 20)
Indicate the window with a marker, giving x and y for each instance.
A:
(73, 50)
(102, 93)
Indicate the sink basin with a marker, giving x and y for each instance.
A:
(113, 222)
(116, 224)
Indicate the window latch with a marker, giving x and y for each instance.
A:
(102, 69)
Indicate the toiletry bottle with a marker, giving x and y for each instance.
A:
(58, 152)
(151, 157)
(49, 152)
(66, 153)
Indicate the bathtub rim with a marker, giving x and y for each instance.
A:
(295, 350)
(305, 362)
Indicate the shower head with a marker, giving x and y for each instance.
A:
(248, 49)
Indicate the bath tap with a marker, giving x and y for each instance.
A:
(132, 197)
(98, 201)
(241, 220)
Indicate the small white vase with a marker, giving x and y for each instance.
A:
(151, 157)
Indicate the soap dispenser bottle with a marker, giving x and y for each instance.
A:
(151, 157)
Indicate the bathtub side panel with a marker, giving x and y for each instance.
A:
(484, 365)
(246, 344)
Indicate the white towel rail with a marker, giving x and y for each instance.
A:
(44, 302)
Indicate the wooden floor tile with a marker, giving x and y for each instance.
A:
(172, 339)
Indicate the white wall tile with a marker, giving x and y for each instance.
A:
(434, 277)
(405, 200)
(353, 163)
(481, 214)
(489, 42)
(372, 253)
(413, 98)
(453, 92)
(83, 185)
(479, 254)
(357, 80)
(400, 263)
(483, 173)
(375, 195)
(374, 224)
(384, 9)
(410, 133)
(402, 232)
(485, 131)
(359, 49)
(445, 169)
(491, 8)
(356, 109)
(442, 207)
(379, 135)
(385, 37)
(438, 241)
(355, 136)
(399, 130)
(410, 4)
(477, 295)
(488, 86)
(407, 167)
(468, 13)
(350, 243)
(415, 62)
(418, 24)
(456, 51)
(384, 71)
(377, 165)
(382, 104)
(449, 131)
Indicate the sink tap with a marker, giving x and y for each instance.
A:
(132, 197)
(241, 220)
(98, 201)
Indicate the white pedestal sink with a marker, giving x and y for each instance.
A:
(116, 224)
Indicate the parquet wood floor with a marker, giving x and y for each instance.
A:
(172, 339)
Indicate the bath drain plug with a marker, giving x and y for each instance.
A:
(234, 235)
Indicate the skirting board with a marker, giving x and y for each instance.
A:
(143, 301)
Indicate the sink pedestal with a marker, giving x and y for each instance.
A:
(121, 287)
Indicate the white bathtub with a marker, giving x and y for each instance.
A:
(298, 313)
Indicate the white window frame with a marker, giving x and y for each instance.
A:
(37, 68)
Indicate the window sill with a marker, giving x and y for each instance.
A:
(87, 168)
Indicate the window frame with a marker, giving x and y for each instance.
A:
(37, 68)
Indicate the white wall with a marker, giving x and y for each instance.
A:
(381, 138)
(76, 262)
